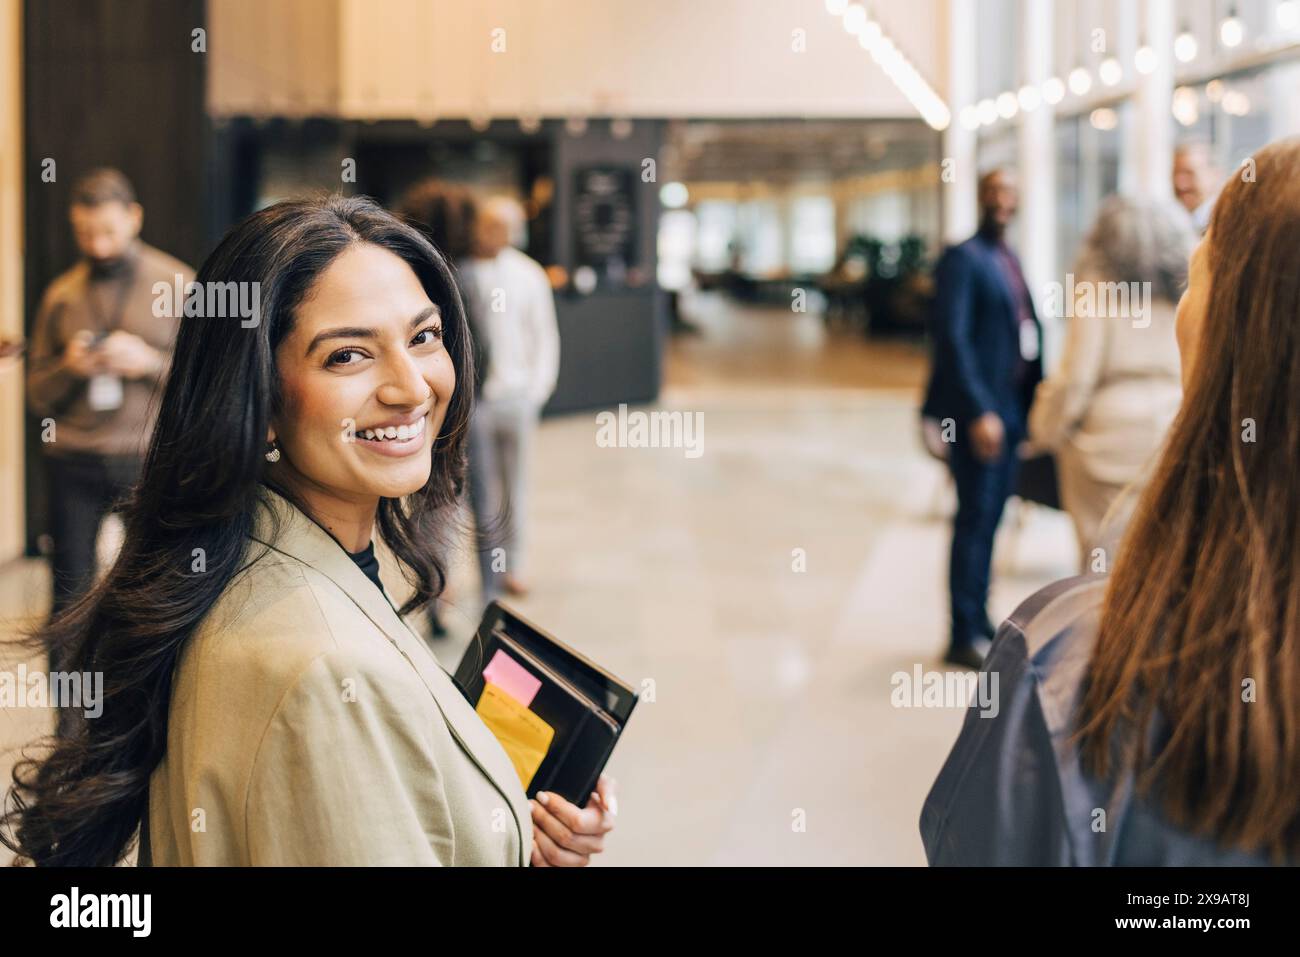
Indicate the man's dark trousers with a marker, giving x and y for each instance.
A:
(982, 492)
(84, 488)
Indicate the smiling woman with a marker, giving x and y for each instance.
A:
(365, 356)
(273, 707)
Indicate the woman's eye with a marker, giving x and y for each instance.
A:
(343, 357)
(426, 336)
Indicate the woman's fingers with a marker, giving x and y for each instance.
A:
(607, 791)
(563, 834)
(592, 819)
(607, 820)
(557, 856)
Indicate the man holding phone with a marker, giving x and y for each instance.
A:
(98, 354)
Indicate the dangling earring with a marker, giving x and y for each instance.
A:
(273, 453)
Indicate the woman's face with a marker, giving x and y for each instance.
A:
(366, 383)
(1193, 306)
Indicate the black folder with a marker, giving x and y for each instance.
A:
(586, 705)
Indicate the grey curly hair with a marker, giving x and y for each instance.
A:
(1138, 240)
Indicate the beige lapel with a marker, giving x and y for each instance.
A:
(301, 538)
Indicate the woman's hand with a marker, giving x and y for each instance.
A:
(565, 835)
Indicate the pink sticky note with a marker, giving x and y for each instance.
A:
(512, 678)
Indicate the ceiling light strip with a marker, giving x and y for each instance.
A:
(873, 38)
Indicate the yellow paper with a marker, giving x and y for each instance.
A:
(525, 737)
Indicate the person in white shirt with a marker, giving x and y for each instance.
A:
(514, 309)
(1196, 182)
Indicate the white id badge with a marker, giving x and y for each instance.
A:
(104, 393)
(1028, 341)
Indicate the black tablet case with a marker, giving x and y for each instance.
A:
(586, 705)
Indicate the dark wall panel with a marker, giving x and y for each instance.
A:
(611, 340)
(610, 350)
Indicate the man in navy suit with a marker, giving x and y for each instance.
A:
(987, 361)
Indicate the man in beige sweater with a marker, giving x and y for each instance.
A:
(99, 351)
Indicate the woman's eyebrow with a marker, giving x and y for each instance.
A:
(364, 332)
(424, 314)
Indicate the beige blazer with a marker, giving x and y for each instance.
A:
(1111, 401)
(310, 726)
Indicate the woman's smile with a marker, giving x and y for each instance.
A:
(395, 439)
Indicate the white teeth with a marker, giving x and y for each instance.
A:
(399, 432)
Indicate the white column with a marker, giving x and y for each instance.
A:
(1128, 27)
(1037, 148)
(12, 179)
(1152, 129)
(960, 217)
(1284, 105)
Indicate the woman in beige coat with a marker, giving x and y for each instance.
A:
(1106, 408)
(264, 702)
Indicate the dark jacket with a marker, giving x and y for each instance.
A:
(974, 322)
(1013, 791)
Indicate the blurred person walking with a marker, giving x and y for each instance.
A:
(510, 296)
(987, 363)
(1196, 182)
(99, 351)
(1151, 718)
(1106, 408)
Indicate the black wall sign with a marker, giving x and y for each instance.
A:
(605, 221)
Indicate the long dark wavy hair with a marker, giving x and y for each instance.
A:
(82, 802)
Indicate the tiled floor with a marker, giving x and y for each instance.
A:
(768, 588)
